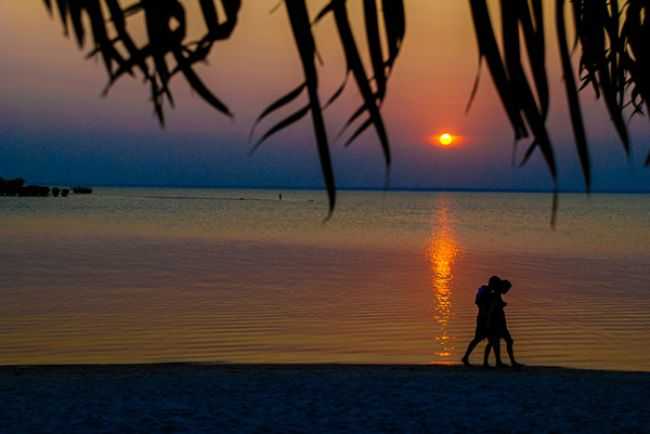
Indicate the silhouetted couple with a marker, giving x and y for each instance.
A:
(491, 322)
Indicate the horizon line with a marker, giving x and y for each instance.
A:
(369, 189)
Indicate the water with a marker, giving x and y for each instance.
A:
(161, 275)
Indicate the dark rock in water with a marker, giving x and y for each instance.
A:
(17, 187)
(34, 191)
(82, 190)
(11, 187)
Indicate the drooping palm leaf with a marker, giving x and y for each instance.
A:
(489, 52)
(395, 25)
(110, 33)
(356, 68)
(372, 97)
(302, 32)
(611, 38)
(572, 94)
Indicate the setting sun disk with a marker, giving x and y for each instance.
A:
(446, 139)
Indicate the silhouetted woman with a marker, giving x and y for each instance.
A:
(484, 300)
(497, 327)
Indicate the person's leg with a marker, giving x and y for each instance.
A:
(478, 337)
(510, 348)
(496, 344)
(486, 354)
(470, 348)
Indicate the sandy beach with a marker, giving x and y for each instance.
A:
(319, 398)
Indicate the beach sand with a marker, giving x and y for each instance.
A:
(319, 398)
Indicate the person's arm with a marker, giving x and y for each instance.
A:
(480, 296)
(491, 306)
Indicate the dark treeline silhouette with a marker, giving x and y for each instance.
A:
(609, 40)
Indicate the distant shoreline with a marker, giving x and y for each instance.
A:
(199, 398)
(370, 189)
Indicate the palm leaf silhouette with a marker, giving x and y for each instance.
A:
(110, 33)
(613, 61)
(373, 97)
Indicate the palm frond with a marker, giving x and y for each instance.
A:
(111, 35)
(372, 96)
(304, 38)
(614, 62)
(573, 99)
(613, 59)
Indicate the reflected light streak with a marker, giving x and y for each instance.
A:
(442, 252)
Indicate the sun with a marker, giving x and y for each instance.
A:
(446, 139)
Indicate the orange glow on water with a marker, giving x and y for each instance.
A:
(442, 253)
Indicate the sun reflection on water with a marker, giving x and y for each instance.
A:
(442, 252)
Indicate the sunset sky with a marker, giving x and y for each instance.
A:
(56, 128)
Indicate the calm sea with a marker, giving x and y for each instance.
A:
(161, 275)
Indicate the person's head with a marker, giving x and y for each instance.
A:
(505, 286)
(494, 283)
